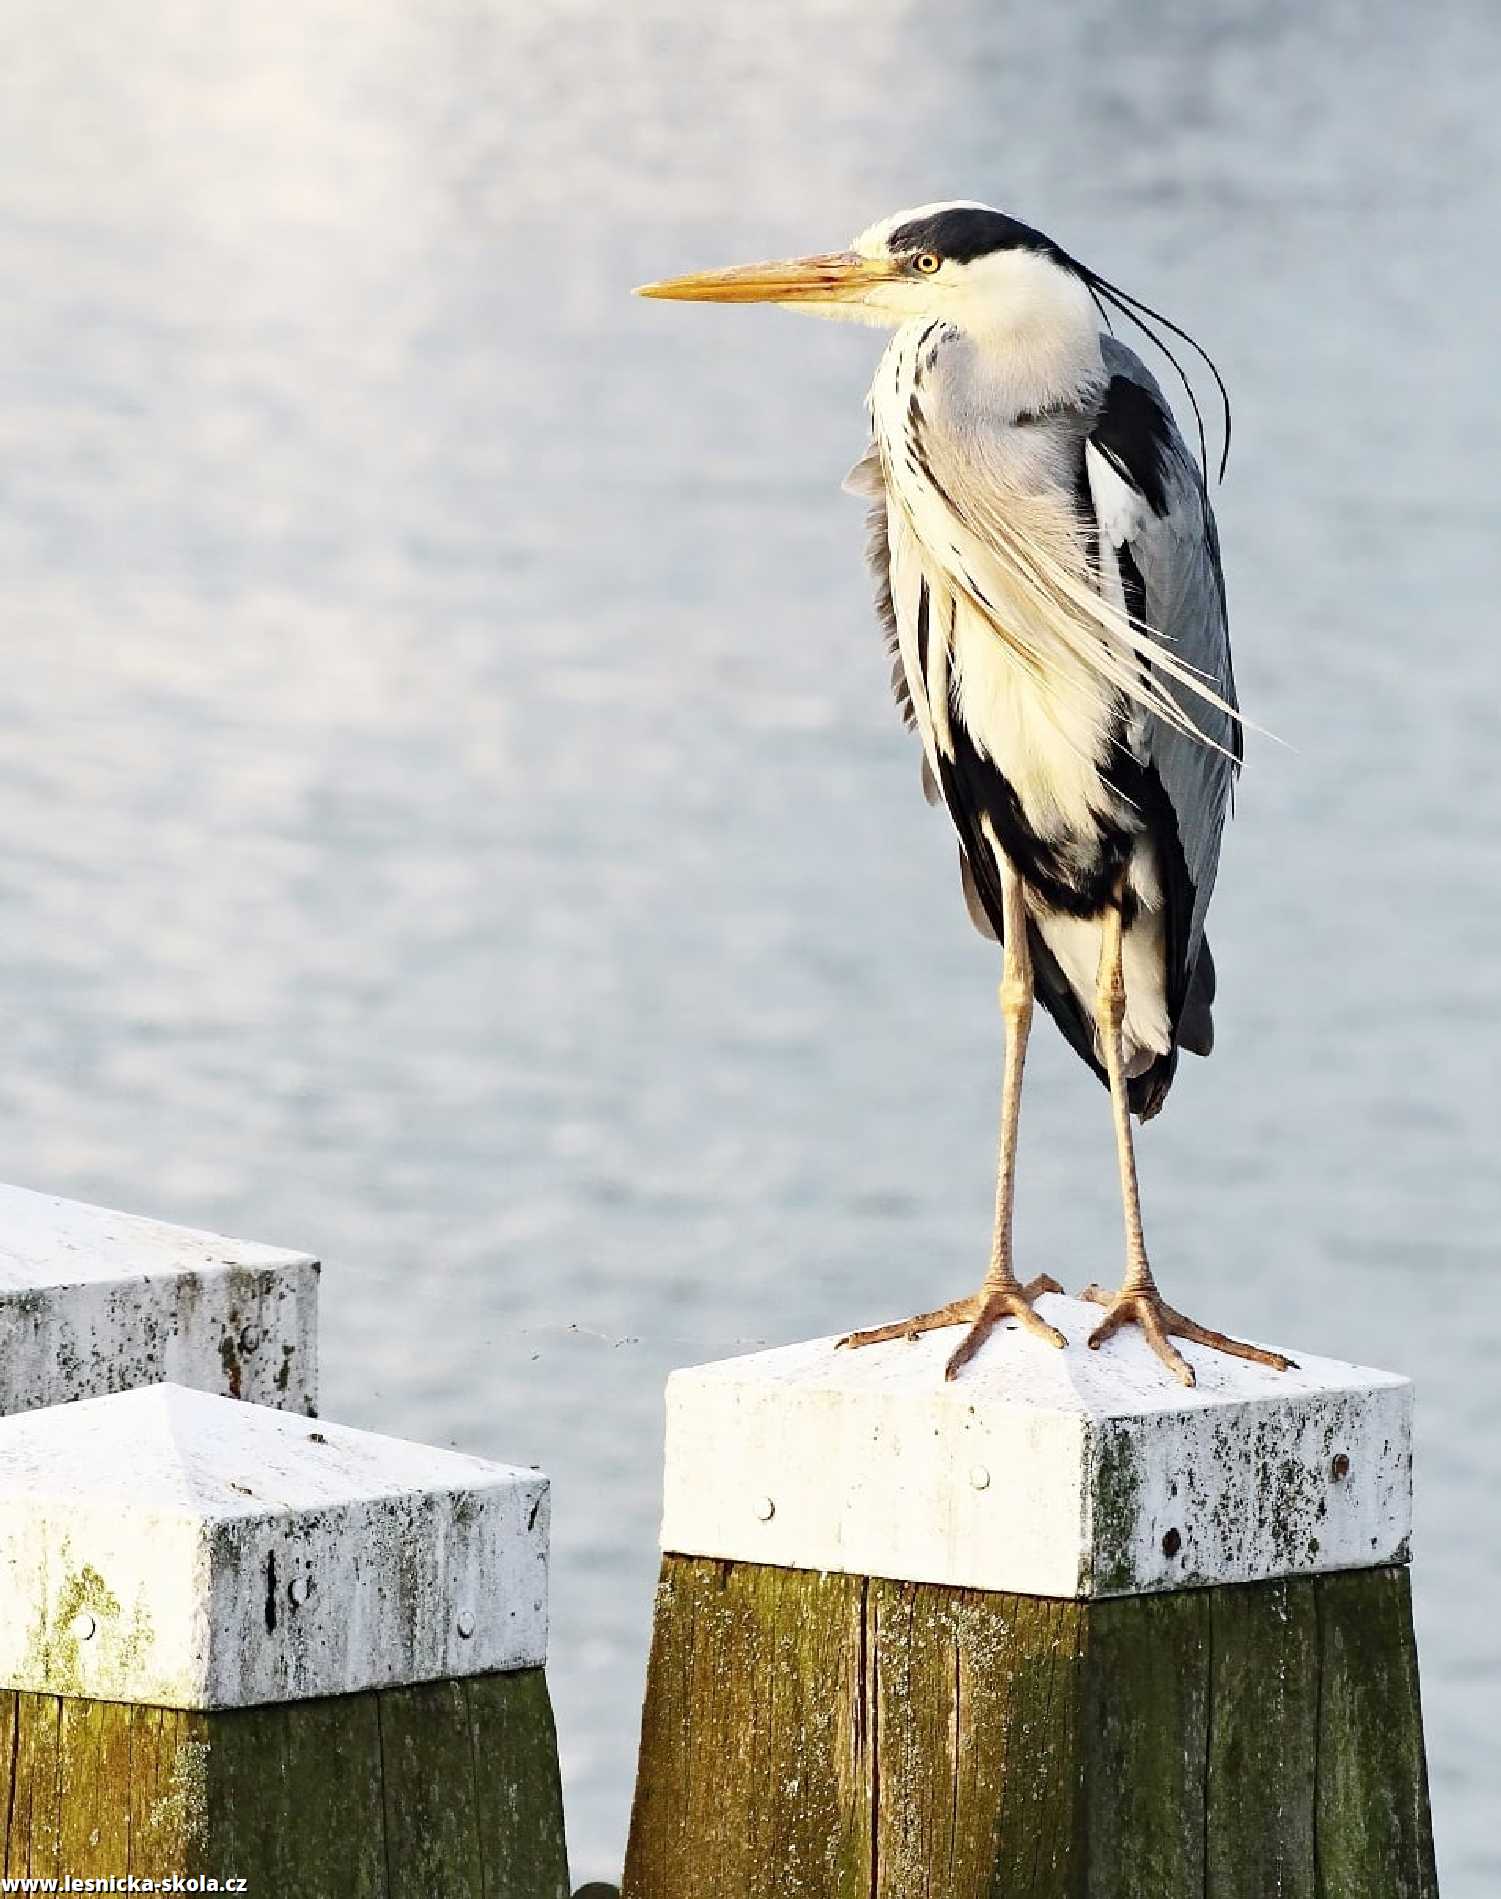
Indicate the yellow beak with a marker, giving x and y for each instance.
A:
(834, 277)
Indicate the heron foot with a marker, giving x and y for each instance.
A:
(982, 1312)
(1161, 1324)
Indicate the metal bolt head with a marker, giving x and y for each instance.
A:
(466, 1623)
(1172, 1543)
(299, 1589)
(250, 1338)
(1339, 1470)
(979, 1477)
(82, 1627)
(765, 1509)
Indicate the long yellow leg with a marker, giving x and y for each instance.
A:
(1001, 1295)
(1110, 1014)
(1138, 1300)
(1016, 1013)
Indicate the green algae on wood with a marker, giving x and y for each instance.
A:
(450, 1787)
(1146, 1694)
(1374, 1829)
(520, 1825)
(1262, 1783)
(813, 1736)
(760, 1679)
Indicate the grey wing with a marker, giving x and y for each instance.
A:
(1153, 511)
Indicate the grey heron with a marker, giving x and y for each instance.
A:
(1049, 577)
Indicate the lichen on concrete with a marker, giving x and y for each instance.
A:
(1116, 1513)
(53, 1648)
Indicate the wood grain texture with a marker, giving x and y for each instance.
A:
(95, 1764)
(267, 1772)
(451, 1788)
(1374, 1830)
(1147, 1729)
(834, 1737)
(1263, 1741)
(520, 1817)
(759, 1682)
(432, 1836)
(32, 1844)
(166, 1752)
(965, 1682)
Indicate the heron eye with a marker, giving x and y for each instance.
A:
(927, 262)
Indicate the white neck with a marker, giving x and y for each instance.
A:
(1033, 329)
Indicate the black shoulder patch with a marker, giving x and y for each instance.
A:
(1136, 436)
(964, 232)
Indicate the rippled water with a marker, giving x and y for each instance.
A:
(453, 815)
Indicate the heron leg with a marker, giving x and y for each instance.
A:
(1001, 1295)
(1138, 1302)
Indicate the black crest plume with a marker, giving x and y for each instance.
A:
(1144, 316)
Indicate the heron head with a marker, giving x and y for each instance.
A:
(967, 263)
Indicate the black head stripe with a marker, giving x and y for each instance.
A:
(964, 232)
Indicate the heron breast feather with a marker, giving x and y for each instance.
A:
(1048, 734)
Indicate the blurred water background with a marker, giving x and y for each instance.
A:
(453, 817)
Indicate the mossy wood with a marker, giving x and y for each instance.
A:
(839, 1737)
(402, 1793)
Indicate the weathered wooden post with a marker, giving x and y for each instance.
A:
(1058, 1628)
(93, 1301)
(238, 1644)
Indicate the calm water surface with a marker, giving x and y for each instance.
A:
(453, 816)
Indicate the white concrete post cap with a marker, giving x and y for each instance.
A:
(93, 1301)
(171, 1547)
(1051, 1473)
